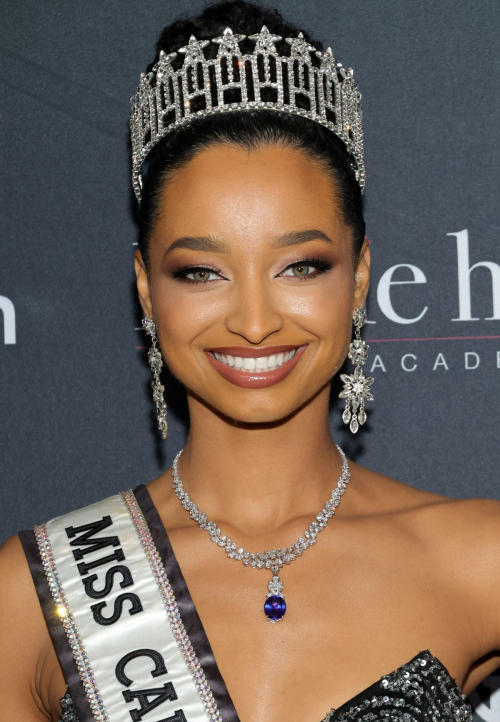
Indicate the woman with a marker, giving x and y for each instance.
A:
(252, 269)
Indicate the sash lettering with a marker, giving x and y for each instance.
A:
(130, 669)
(92, 544)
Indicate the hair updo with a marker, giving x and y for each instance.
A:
(249, 129)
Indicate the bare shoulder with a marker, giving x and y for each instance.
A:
(469, 531)
(456, 531)
(465, 515)
(25, 646)
(458, 540)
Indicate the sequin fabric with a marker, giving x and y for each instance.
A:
(68, 711)
(420, 691)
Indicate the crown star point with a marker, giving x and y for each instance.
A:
(164, 57)
(194, 49)
(164, 65)
(300, 48)
(228, 42)
(264, 41)
(328, 62)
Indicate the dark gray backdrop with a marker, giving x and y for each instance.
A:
(76, 421)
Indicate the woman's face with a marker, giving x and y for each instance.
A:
(250, 260)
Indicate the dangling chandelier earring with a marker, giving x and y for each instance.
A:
(357, 386)
(156, 363)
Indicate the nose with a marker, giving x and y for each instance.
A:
(253, 313)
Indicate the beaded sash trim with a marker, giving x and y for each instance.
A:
(171, 608)
(64, 612)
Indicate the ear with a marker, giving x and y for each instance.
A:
(362, 276)
(143, 287)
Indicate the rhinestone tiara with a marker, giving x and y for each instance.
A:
(167, 99)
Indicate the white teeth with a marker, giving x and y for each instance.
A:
(261, 363)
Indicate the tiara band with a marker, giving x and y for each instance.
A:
(167, 99)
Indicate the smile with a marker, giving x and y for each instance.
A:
(255, 367)
(259, 364)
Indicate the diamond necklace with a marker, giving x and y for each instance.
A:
(273, 559)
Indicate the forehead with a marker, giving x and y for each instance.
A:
(231, 191)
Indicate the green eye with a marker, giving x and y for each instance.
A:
(196, 274)
(300, 269)
(306, 269)
(201, 275)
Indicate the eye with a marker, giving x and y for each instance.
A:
(299, 269)
(201, 275)
(196, 274)
(307, 268)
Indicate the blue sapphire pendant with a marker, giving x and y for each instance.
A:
(275, 605)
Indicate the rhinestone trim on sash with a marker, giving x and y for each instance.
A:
(69, 624)
(169, 601)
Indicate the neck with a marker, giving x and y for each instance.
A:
(260, 476)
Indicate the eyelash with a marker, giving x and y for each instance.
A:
(181, 274)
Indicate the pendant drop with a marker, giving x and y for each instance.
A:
(275, 605)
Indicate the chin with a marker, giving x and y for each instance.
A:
(252, 408)
(257, 416)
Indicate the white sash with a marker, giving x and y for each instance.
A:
(112, 594)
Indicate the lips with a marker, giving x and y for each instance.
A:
(255, 367)
(258, 364)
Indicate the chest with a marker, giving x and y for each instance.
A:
(356, 610)
(359, 604)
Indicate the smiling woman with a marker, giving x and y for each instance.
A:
(234, 260)
(252, 272)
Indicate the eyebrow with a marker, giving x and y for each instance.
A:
(206, 243)
(293, 238)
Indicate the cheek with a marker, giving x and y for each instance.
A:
(183, 313)
(323, 308)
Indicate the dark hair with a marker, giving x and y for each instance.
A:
(249, 129)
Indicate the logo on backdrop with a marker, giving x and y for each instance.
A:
(442, 360)
(9, 320)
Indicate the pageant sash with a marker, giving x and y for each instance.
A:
(111, 593)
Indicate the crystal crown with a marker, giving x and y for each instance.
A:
(321, 90)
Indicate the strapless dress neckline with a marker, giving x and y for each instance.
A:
(421, 690)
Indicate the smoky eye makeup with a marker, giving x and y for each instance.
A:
(301, 264)
(201, 274)
(206, 274)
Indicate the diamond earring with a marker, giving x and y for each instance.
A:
(156, 363)
(356, 386)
